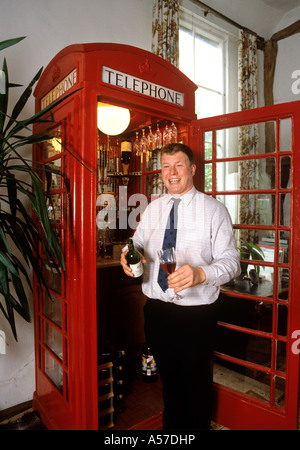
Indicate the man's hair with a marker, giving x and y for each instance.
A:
(171, 149)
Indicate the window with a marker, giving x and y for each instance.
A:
(208, 56)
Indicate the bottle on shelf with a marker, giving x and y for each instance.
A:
(149, 368)
(133, 258)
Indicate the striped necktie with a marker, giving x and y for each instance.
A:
(169, 241)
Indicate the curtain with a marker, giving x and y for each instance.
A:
(248, 135)
(165, 30)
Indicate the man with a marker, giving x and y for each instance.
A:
(181, 333)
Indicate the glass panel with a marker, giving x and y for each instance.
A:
(280, 392)
(52, 308)
(53, 339)
(285, 208)
(282, 318)
(246, 313)
(208, 103)
(54, 371)
(208, 177)
(52, 278)
(254, 349)
(250, 382)
(250, 174)
(208, 144)
(53, 147)
(54, 208)
(286, 134)
(56, 179)
(186, 49)
(260, 285)
(285, 172)
(210, 52)
(281, 356)
(284, 246)
(251, 209)
(283, 283)
(246, 140)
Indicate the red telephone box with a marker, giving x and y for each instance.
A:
(72, 328)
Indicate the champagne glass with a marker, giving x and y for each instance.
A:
(158, 138)
(136, 144)
(167, 260)
(143, 142)
(173, 133)
(166, 135)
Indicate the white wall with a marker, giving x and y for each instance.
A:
(288, 60)
(50, 26)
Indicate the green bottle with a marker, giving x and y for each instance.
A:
(134, 261)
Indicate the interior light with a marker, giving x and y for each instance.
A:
(112, 120)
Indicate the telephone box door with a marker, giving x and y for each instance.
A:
(250, 162)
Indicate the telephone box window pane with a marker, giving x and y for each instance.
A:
(285, 172)
(53, 339)
(250, 174)
(284, 244)
(283, 283)
(52, 308)
(54, 371)
(250, 209)
(208, 177)
(281, 356)
(208, 144)
(52, 278)
(54, 208)
(286, 135)
(282, 319)
(285, 208)
(53, 147)
(254, 383)
(246, 140)
(56, 179)
(246, 313)
(280, 392)
(250, 348)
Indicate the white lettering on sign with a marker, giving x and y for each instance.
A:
(61, 88)
(131, 83)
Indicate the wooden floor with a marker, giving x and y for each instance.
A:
(142, 401)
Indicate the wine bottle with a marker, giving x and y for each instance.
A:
(149, 368)
(134, 261)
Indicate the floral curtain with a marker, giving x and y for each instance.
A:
(165, 30)
(248, 135)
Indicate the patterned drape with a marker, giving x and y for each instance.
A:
(248, 135)
(165, 30)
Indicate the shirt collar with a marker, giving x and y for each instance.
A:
(186, 198)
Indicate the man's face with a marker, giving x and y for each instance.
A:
(177, 173)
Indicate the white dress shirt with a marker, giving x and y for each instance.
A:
(204, 239)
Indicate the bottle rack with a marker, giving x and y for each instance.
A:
(110, 388)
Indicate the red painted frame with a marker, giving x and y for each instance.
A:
(233, 409)
(78, 407)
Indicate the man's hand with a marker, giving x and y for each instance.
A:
(185, 277)
(125, 266)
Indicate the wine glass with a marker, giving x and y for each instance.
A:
(167, 260)
(158, 138)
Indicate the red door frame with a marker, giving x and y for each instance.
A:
(78, 408)
(232, 409)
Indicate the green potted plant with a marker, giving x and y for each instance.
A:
(20, 183)
(250, 251)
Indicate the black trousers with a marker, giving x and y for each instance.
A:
(181, 339)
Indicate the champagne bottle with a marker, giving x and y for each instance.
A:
(134, 261)
(149, 368)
